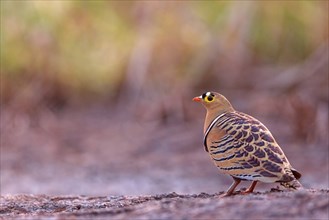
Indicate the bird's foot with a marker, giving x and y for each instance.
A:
(228, 194)
(245, 192)
(224, 195)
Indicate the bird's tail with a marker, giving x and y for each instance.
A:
(294, 184)
(290, 179)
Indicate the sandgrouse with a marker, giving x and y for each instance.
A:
(243, 147)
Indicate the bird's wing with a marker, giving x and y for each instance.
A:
(248, 150)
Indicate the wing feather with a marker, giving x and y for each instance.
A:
(246, 149)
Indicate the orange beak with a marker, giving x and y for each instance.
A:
(197, 99)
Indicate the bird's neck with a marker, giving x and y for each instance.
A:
(210, 116)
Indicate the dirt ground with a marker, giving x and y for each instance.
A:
(310, 204)
(86, 163)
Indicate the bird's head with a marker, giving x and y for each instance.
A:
(214, 101)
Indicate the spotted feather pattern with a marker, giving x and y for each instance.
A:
(247, 150)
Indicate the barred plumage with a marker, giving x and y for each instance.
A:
(243, 147)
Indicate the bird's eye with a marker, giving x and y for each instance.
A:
(209, 98)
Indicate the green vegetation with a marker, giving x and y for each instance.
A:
(94, 48)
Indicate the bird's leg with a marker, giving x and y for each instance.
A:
(232, 187)
(251, 188)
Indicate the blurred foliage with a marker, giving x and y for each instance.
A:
(79, 50)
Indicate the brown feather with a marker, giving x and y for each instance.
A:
(241, 146)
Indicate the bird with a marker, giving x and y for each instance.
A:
(242, 147)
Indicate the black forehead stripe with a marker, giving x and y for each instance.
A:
(204, 95)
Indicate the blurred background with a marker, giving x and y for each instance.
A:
(96, 95)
